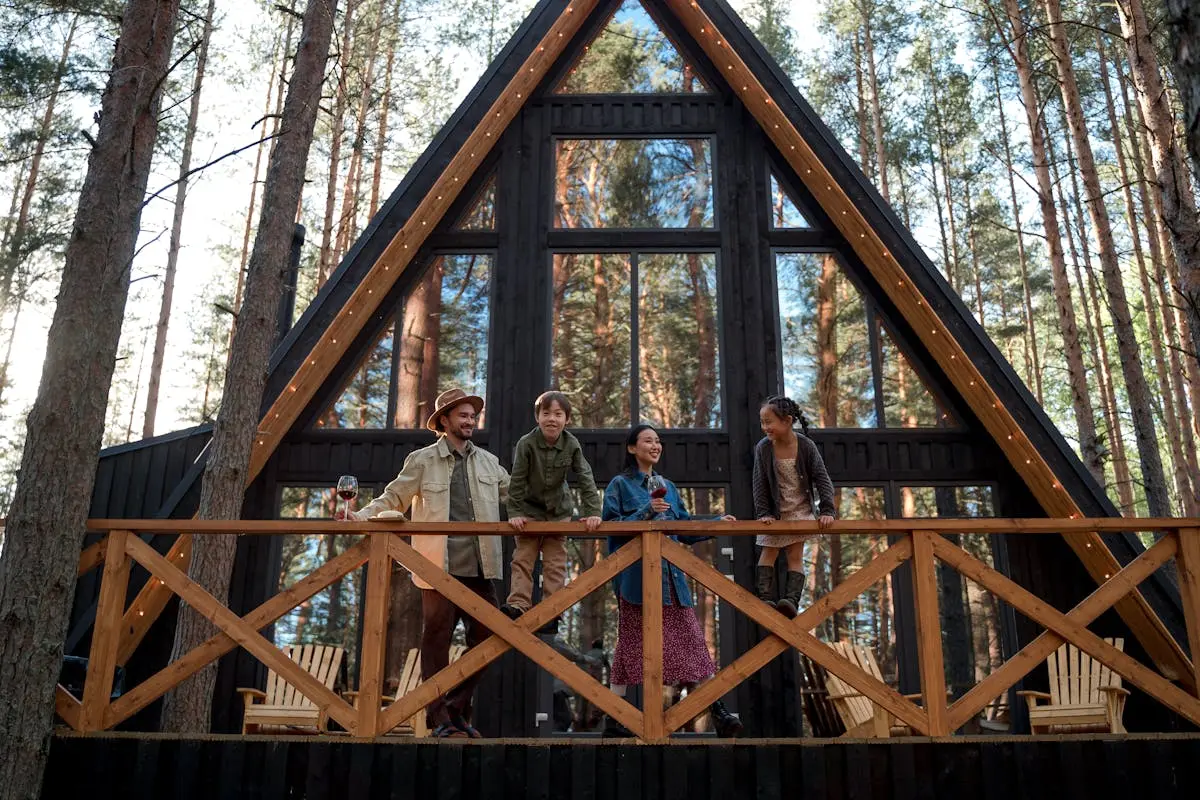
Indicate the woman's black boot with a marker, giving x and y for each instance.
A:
(789, 604)
(725, 722)
(766, 585)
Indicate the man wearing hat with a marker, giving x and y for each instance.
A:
(451, 480)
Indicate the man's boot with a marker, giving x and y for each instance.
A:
(789, 604)
(766, 585)
(725, 722)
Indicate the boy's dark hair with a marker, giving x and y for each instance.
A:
(787, 407)
(546, 398)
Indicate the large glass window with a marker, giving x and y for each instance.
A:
(826, 341)
(658, 360)
(633, 183)
(785, 214)
(331, 615)
(631, 55)
(442, 341)
(840, 361)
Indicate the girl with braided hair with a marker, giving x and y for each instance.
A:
(790, 483)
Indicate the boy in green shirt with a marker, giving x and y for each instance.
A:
(538, 491)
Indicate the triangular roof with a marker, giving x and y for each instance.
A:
(315, 346)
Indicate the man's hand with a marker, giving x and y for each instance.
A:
(518, 523)
(825, 521)
(766, 520)
(591, 523)
(343, 514)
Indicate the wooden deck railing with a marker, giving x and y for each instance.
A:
(917, 541)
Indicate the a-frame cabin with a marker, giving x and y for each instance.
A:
(517, 230)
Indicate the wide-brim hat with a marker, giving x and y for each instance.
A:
(450, 399)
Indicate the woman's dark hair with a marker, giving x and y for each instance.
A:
(631, 464)
(786, 407)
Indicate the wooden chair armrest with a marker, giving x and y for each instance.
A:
(916, 696)
(257, 694)
(1038, 695)
(1115, 690)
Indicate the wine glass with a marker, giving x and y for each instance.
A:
(658, 490)
(347, 490)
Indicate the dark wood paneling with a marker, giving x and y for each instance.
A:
(1158, 768)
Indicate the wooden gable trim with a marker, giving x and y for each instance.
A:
(931, 330)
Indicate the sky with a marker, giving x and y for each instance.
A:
(216, 207)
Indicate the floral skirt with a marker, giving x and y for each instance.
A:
(685, 654)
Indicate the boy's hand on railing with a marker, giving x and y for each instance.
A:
(591, 523)
(518, 523)
(767, 520)
(825, 521)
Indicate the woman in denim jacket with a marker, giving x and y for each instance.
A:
(686, 660)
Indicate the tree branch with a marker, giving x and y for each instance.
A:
(215, 161)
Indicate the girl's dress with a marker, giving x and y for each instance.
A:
(686, 658)
(794, 504)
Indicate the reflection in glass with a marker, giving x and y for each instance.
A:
(826, 346)
(907, 401)
(784, 212)
(331, 615)
(868, 620)
(633, 183)
(364, 402)
(444, 336)
(679, 363)
(591, 336)
(481, 216)
(631, 56)
(970, 614)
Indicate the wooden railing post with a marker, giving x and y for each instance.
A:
(653, 717)
(374, 636)
(929, 633)
(1187, 558)
(106, 637)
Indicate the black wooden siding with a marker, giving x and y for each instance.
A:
(101, 768)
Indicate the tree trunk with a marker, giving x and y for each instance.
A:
(876, 106)
(1153, 477)
(44, 530)
(827, 355)
(337, 127)
(188, 708)
(385, 103)
(1033, 367)
(1094, 333)
(1179, 431)
(1081, 401)
(351, 196)
(860, 111)
(15, 238)
(947, 189)
(1178, 204)
(976, 272)
(185, 166)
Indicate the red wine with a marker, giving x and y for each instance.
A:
(659, 492)
(347, 494)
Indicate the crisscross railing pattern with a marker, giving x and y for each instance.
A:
(920, 543)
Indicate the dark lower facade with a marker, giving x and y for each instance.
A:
(263, 768)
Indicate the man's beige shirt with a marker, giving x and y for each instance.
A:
(424, 483)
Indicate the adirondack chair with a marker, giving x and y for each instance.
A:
(281, 705)
(823, 719)
(410, 679)
(1084, 695)
(861, 717)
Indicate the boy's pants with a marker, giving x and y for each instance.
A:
(554, 568)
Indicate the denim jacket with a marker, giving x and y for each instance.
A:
(628, 500)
